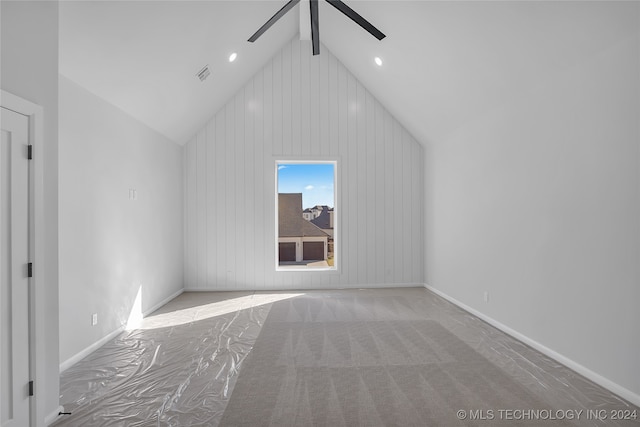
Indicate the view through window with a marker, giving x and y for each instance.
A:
(306, 212)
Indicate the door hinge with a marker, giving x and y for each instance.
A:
(30, 388)
(30, 269)
(29, 151)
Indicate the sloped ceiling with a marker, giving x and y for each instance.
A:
(444, 63)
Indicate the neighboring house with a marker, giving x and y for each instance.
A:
(298, 239)
(307, 214)
(314, 212)
(324, 221)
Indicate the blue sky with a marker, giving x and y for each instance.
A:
(314, 181)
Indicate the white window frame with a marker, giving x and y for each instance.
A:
(336, 221)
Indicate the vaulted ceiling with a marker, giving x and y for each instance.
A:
(445, 63)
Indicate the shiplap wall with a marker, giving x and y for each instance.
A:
(302, 107)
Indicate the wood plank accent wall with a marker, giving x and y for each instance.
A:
(300, 107)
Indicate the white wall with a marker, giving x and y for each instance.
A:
(111, 246)
(30, 70)
(302, 107)
(538, 203)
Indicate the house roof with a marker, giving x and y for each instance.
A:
(290, 220)
(445, 64)
(323, 220)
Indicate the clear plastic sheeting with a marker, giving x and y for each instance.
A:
(562, 389)
(338, 357)
(177, 369)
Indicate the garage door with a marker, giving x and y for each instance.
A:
(312, 251)
(287, 251)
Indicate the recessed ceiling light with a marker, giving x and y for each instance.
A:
(378, 61)
(233, 57)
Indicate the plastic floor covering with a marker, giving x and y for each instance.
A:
(181, 365)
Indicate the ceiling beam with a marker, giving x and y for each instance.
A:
(279, 14)
(315, 27)
(355, 17)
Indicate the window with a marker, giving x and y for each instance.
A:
(306, 215)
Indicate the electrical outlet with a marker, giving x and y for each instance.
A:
(94, 319)
(486, 296)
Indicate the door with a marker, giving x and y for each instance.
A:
(14, 282)
(313, 251)
(287, 251)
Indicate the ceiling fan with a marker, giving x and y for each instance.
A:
(315, 35)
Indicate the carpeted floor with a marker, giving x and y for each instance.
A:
(371, 357)
(361, 361)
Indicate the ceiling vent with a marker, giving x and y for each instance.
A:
(204, 73)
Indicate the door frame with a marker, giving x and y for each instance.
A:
(37, 354)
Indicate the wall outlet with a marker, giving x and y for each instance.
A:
(94, 319)
(486, 296)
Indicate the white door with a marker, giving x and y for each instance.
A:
(14, 281)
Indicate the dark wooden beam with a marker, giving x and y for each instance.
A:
(355, 17)
(279, 14)
(315, 27)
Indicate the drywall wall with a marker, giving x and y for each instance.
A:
(538, 203)
(29, 38)
(114, 243)
(302, 107)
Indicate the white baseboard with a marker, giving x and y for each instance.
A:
(53, 417)
(96, 345)
(87, 351)
(586, 372)
(163, 302)
(312, 288)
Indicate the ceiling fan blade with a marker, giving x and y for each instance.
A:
(315, 27)
(279, 14)
(342, 7)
